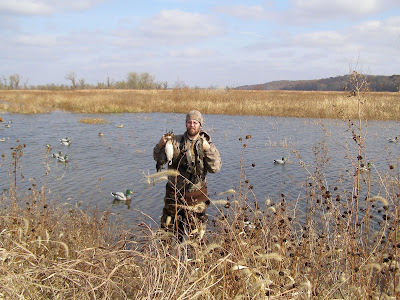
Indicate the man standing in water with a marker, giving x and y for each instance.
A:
(186, 200)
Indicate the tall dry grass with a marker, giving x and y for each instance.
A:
(379, 106)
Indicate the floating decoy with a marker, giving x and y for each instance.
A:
(63, 159)
(65, 142)
(57, 155)
(101, 134)
(280, 161)
(121, 196)
(364, 168)
(120, 125)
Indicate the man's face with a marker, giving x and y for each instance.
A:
(192, 127)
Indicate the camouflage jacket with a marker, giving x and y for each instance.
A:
(191, 160)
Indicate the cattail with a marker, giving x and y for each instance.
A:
(270, 256)
(168, 172)
(211, 247)
(379, 198)
(376, 266)
(26, 222)
(231, 191)
(65, 248)
(160, 179)
(271, 210)
(220, 202)
(196, 208)
(276, 246)
(239, 267)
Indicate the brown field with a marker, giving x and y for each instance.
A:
(377, 106)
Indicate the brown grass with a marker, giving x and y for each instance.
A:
(379, 106)
(92, 121)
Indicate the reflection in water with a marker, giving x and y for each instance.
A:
(120, 157)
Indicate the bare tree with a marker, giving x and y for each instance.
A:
(14, 81)
(82, 83)
(71, 76)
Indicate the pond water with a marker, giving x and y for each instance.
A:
(118, 160)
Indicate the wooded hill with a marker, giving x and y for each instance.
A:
(377, 83)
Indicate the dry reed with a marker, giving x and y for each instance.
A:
(379, 106)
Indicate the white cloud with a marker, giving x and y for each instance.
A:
(191, 52)
(243, 11)
(338, 6)
(44, 7)
(322, 10)
(26, 7)
(177, 25)
(43, 41)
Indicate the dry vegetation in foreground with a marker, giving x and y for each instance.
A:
(346, 247)
(378, 106)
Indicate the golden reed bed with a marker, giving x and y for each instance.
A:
(377, 105)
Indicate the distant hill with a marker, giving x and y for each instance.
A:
(378, 83)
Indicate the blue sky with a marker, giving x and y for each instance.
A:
(200, 43)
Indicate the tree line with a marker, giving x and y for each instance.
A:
(139, 81)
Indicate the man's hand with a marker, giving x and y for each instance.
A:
(162, 141)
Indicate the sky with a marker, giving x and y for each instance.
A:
(202, 43)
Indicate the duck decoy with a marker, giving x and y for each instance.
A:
(63, 159)
(121, 196)
(65, 142)
(57, 155)
(364, 168)
(280, 161)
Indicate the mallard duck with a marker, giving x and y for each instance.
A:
(120, 125)
(65, 142)
(169, 148)
(280, 161)
(121, 196)
(63, 159)
(57, 155)
(101, 134)
(2, 139)
(395, 140)
(7, 126)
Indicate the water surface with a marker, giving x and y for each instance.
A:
(122, 156)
